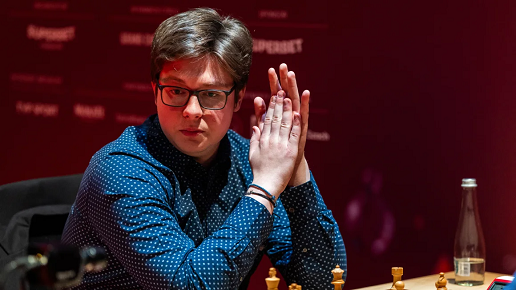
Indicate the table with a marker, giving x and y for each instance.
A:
(428, 283)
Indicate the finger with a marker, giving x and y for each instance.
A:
(277, 116)
(305, 102)
(266, 130)
(286, 120)
(305, 108)
(295, 133)
(283, 70)
(273, 82)
(255, 140)
(293, 92)
(259, 110)
(254, 145)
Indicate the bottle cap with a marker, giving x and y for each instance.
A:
(469, 182)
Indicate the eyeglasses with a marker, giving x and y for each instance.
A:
(208, 99)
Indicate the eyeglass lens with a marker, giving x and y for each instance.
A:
(176, 96)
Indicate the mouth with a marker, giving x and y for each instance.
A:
(191, 132)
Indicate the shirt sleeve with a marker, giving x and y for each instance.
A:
(131, 207)
(305, 244)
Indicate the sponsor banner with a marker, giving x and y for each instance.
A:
(38, 109)
(89, 112)
(269, 13)
(302, 51)
(277, 47)
(45, 36)
(50, 47)
(129, 119)
(86, 108)
(140, 11)
(36, 83)
(56, 9)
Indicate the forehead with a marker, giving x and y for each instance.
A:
(205, 70)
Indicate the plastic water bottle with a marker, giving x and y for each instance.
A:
(469, 251)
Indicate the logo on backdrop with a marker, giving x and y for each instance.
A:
(50, 6)
(36, 79)
(51, 38)
(37, 109)
(130, 119)
(153, 10)
(128, 38)
(137, 87)
(291, 46)
(273, 14)
(317, 136)
(89, 112)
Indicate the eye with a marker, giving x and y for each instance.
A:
(213, 94)
(176, 91)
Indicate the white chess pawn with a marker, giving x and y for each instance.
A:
(272, 281)
(337, 278)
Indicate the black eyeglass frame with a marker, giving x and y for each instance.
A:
(191, 93)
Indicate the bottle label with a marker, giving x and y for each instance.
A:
(463, 268)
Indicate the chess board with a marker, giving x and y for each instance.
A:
(428, 282)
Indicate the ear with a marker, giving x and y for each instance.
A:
(155, 91)
(241, 95)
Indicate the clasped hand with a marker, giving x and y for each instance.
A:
(277, 146)
(273, 150)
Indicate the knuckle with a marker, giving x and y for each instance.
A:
(285, 125)
(267, 120)
(276, 119)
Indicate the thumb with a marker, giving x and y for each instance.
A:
(255, 140)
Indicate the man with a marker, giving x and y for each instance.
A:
(181, 201)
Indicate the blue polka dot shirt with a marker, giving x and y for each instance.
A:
(167, 222)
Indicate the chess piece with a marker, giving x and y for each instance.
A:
(397, 272)
(441, 282)
(272, 281)
(337, 278)
(294, 286)
(399, 285)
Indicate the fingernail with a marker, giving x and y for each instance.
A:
(263, 117)
(281, 94)
(273, 99)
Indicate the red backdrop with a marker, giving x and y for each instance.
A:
(408, 97)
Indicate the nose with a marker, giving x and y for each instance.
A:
(193, 108)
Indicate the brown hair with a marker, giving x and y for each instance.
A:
(204, 32)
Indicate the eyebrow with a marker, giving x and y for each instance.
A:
(210, 84)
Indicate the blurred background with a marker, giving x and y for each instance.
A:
(408, 98)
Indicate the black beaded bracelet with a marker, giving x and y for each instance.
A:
(270, 199)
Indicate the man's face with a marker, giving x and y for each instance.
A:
(191, 129)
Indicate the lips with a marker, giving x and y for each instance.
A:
(191, 132)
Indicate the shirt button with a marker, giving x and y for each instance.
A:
(305, 250)
(291, 209)
(241, 279)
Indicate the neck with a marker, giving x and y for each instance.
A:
(207, 158)
(206, 161)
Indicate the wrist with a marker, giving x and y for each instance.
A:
(266, 187)
(301, 175)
